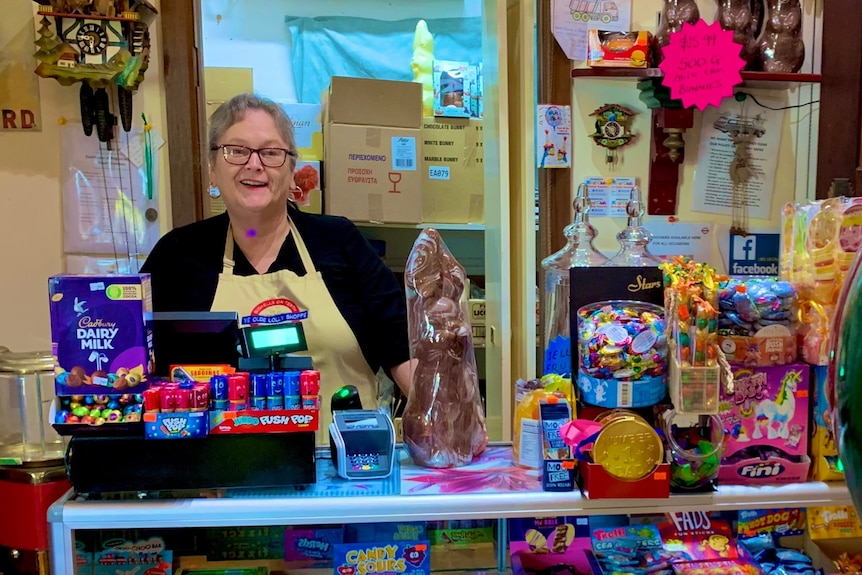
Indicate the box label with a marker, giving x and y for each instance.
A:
(408, 558)
(403, 153)
(438, 173)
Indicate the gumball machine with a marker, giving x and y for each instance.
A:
(32, 474)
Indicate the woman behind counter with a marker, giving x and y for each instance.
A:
(264, 257)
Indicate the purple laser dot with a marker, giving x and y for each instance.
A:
(251, 233)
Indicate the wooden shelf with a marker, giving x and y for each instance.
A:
(439, 226)
(50, 13)
(633, 73)
(749, 79)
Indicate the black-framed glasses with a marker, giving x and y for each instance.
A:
(240, 155)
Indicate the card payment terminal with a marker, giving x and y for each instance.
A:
(362, 443)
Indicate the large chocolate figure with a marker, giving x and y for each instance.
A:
(444, 424)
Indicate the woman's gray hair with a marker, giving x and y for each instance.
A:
(233, 111)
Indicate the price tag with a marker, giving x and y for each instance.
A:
(701, 64)
(438, 172)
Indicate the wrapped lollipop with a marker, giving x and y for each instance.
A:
(697, 363)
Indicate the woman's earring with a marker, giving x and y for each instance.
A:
(214, 192)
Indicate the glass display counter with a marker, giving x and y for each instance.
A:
(479, 496)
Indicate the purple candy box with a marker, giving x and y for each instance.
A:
(766, 422)
(101, 333)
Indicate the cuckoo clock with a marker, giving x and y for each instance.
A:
(102, 44)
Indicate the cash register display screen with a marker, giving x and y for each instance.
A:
(366, 423)
(275, 338)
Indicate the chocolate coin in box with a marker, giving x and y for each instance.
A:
(101, 333)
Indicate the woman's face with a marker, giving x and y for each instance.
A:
(252, 187)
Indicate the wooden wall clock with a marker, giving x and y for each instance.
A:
(101, 44)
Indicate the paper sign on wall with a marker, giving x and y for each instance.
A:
(609, 196)
(554, 136)
(571, 19)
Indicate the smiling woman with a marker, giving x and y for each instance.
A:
(264, 257)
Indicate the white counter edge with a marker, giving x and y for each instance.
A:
(306, 511)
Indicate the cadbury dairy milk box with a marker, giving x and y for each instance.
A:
(101, 333)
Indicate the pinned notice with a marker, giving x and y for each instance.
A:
(702, 64)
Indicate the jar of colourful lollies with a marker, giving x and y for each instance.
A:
(695, 444)
(622, 354)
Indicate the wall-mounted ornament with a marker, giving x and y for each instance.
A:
(101, 44)
(613, 131)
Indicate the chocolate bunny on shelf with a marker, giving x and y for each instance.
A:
(780, 48)
(744, 18)
(674, 14)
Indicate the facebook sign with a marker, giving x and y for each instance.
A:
(754, 255)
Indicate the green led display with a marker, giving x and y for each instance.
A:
(271, 338)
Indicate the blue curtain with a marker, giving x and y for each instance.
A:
(365, 48)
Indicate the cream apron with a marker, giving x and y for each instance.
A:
(334, 351)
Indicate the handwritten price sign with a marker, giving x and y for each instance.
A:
(701, 65)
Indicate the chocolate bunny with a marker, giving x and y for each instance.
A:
(744, 18)
(780, 47)
(674, 14)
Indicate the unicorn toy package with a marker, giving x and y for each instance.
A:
(766, 424)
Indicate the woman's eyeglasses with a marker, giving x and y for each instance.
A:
(240, 155)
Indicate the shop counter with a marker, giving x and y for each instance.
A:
(489, 488)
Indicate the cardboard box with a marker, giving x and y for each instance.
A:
(453, 178)
(307, 120)
(372, 149)
(769, 408)
(477, 320)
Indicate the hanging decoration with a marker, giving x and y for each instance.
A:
(612, 131)
(740, 174)
(100, 44)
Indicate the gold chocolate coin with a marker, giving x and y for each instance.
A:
(614, 414)
(628, 449)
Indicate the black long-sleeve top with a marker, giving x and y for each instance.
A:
(185, 264)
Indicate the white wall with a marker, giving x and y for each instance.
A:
(30, 197)
(253, 33)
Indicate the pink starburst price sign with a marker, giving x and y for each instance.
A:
(701, 65)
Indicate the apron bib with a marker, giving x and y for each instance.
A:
(333, 348)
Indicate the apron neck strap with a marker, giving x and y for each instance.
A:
(228, 261)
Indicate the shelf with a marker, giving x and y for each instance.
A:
(749, 79)
(443, 227)
(214, 512)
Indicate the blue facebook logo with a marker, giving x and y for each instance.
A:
(754, 255)
(744, 248)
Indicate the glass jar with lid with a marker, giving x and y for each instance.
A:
(26, 395)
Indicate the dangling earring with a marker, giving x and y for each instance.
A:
(214, 192)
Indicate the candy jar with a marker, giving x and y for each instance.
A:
(780, 47)
(741, 17)
(696, 444)
(674, 14)
(634, 239)
(578, 252)
(622, 354)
